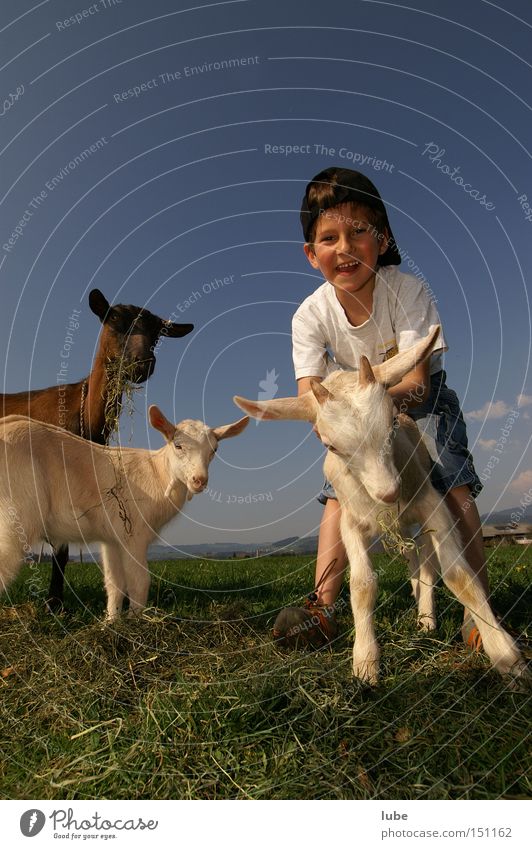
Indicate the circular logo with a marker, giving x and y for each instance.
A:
(32, 822)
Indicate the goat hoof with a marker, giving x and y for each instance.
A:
(426, 623)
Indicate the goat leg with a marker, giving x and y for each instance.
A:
(423, 577)
(363, 585)
(54, 601)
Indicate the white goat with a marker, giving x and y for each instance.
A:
(375, 461)
(55, 486)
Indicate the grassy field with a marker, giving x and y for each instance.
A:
(194, 701)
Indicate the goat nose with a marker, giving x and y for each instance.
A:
(199, 480)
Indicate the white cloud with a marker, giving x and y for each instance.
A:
(490, 410)
(522, 482)
(487, 444)
(524, 400)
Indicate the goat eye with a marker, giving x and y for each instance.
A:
(178, 447)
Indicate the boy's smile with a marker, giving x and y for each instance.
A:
(346, 249)
(347, 268)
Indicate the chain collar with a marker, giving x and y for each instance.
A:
(82, 409)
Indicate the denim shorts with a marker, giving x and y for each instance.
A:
(442, 424)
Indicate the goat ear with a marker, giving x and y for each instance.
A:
(98, 303)
(302, 408)
(175, 330)
(161, 423)
(393, 370)
(365, 373)
(226, 431)
(319, 391)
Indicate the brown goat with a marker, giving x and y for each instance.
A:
(126, 345)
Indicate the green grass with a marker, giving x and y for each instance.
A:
(194, 701)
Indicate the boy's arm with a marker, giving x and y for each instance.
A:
(414, 314)
(303, 384)
(414, 389)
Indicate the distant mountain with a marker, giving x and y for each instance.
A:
(511, 514)
(224, 550)
(284, 542)
(211, 550)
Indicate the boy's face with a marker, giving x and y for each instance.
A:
(346, 247)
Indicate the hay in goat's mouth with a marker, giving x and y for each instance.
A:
(392, 539)
(120, 391)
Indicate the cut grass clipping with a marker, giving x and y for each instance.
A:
(193, 700)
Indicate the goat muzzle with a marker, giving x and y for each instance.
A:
(390, 496)
(198, 484)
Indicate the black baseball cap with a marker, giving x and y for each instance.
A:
(349, 187)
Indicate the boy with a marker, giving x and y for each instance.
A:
(366, 306)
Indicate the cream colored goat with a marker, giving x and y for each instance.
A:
(375, 461)
(55, 486)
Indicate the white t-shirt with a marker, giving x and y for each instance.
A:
(403, 313)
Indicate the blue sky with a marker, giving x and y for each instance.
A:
(207, 122)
